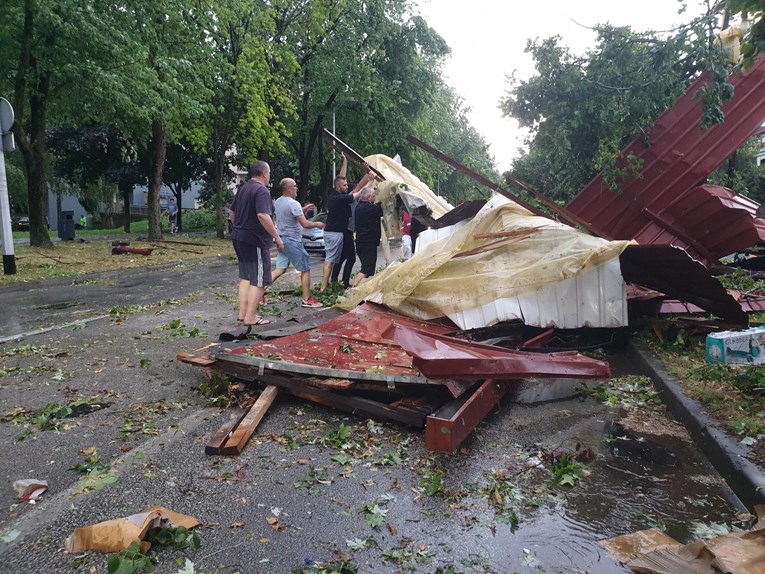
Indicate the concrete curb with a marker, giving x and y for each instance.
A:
(726, 455)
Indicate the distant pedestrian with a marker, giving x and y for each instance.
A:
(172, 215)
(368, 217)
(253, 233)
(290, 222)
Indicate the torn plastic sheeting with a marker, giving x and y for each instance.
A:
(441, 356)
(116, 535)
(434, 283)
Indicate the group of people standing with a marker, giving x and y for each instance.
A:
(253, 233)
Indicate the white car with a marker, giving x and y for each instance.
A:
(313, 237)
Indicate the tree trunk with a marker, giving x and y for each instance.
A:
(34, 159)
(218, 165)
(155, 178)
(125, 188)
(731, 171)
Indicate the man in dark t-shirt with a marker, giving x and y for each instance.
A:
(253, 233)
(368, 233)
(338, 214)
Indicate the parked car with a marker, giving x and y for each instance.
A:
(21, 224)
(313, 237)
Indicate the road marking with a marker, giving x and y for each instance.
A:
(11, 338)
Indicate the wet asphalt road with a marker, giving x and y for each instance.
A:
(298, 493)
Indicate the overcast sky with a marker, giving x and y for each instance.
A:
(488, 37)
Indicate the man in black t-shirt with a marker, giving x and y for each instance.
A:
(368, 233)
(253, 233)
(338, 214)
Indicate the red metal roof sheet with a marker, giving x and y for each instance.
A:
(362, 341)
(442, 356)
(671, 271)
(666, 205)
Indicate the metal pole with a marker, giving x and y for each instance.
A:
(334, 153)
(9, 259)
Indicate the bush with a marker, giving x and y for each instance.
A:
(199, 220)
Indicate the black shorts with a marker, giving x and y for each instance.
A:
(367, 253)
(254, 263)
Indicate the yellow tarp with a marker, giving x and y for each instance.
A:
(399, 181)
(504, 251)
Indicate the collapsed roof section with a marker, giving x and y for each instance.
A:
(505, 264)
(665, 204)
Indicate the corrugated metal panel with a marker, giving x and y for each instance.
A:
(592, 298)
(661, 205)
(355, 341)
(671, 271)
(441, 356)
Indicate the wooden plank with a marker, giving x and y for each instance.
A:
(352, 155)
(220, 437)
(351, 404)
(197, 360)
(238, 440)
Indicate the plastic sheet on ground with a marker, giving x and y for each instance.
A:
(506, 254)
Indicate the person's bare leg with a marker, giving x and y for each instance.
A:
(244, 287)
(254, 295)
(305, 281)
(359, 278)
(325, 277)
(276, 273)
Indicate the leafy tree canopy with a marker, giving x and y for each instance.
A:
(582, 110)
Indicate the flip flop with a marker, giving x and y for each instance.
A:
(260, 321)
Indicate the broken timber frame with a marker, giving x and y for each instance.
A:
(353, 156)
(565, 215)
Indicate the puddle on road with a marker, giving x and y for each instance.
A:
(646, 474)
(622, 494)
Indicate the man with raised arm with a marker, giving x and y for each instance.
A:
(338, 217)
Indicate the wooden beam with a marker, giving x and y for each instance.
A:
(350, 404)
(351, 154)
(565, 215)
(219, 438)
(238, 439)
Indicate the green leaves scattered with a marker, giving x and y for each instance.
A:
(567, 471)
(375, 515)
(96, 475)
(432, 484)
(129, 561)
(179, 538)
(178, 329)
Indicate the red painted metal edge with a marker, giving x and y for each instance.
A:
(441, 356)
(449, 426)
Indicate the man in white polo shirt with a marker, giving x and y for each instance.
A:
(290, 221)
